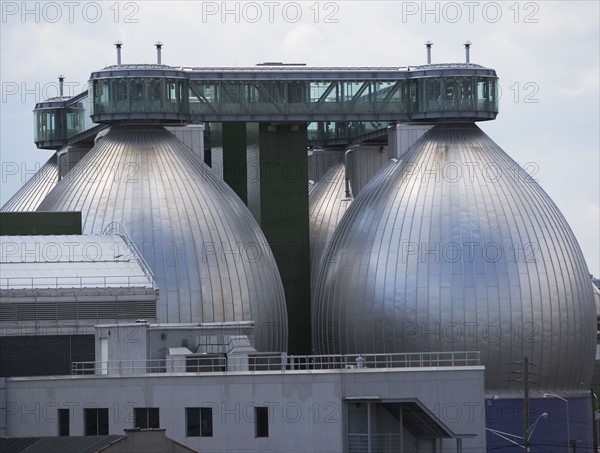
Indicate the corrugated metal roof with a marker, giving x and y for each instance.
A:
(70, 261)
(16, 444)
(81, 444)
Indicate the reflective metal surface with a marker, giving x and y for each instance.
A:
(210, 259)
(460, 249)
(28, 197)
(327, 203)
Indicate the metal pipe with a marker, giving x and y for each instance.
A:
(158, 45)
(59, 163)
(468, 51)
(428, 44)
(61, 83)
(118, 45)
(346, 173)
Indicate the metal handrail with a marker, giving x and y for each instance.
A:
(378, 443)
(280, 362)
(88, 281)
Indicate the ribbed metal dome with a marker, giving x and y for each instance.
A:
(327, 203)
(28, 197)
(460, 249)
(210, 259)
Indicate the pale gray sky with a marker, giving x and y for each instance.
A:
(545, 53)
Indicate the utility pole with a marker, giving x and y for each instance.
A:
(526, 402)
(526, 380)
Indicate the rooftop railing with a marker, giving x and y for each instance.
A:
(378, 443)
(90, 281)
(276, 362)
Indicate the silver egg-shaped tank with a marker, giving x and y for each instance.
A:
(210, 259)
(32, 193)
(459, 249)
(327, 203)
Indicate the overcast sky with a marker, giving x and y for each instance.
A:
(545, 54)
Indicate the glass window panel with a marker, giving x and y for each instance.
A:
(96, 421)
(146, 417)
(297, 92)
(63, 422)
(206, 422)
(192, 417)
(261, 420)
(156, 95)
(351, 89)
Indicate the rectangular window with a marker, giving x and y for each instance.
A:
(96, 421)
(192, 421)
(261, 419)
(146, 417)
(63, 422)
(199, 421)
(206, 422)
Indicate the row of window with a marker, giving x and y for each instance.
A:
(198, 420)
(146, 94)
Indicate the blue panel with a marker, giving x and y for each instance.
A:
(550, 434)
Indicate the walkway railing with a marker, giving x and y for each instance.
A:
(379, 443)
(90, 281)
(277, 362)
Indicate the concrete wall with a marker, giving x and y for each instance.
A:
(320, 160)
(364, 161)
(192, 136)
(126, 341)
(68, 157)
(403, 136)
(253, 173)
(306, 409)
(131, 342)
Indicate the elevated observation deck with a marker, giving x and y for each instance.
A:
(60, 118)
(167, 95)
(159, 93)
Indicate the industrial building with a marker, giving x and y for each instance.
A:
(286, 258)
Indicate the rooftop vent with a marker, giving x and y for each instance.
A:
(468, 51)
(428, 44)
(118, 45)
(158, 45)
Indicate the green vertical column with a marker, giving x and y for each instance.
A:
(284, 220)
(235, 167)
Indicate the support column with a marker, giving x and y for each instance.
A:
(235, 167)
(284, 220)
